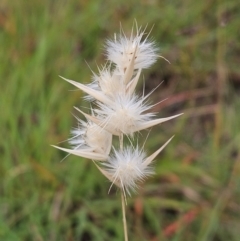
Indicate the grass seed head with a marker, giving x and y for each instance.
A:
(121, 50)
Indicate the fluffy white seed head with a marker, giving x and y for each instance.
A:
(126, 113)
(90, 135)
(126, 168)
(121, 50)
(129, 166)
(110, 83)
(119, 112)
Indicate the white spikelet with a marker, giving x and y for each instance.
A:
(93, 136)
(125, 168)
(128, 167)
(124, 115)
(121, 50)
(110, 83)
(90, 141)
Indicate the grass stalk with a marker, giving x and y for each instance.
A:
(123, 198)
(124, 217)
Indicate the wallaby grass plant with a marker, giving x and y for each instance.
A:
(197, 174)
(116, 110)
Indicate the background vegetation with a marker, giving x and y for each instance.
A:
(195, 194)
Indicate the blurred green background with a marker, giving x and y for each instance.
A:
(195, 193)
